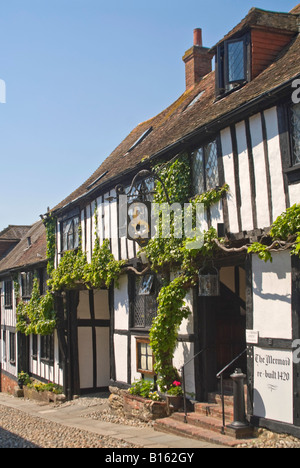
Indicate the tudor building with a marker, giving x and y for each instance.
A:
(239, 126)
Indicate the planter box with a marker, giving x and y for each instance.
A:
(45, 396)
(143, 409)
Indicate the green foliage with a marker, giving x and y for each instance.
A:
(45, 387)
(285, 227)
(23, 377)
(36, 316)
(50, 225)
(163, 334)
(145, 389)
(173, 253)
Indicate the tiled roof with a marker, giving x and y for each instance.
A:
(24, 255)
(178, 121)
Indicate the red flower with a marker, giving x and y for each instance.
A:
(177, 384)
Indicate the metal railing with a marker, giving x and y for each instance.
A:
(220, 376)
(183, 382)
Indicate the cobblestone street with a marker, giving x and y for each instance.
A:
(19, 430)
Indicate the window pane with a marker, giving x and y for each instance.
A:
(236, 71)
(197, 172)
(211, 166)
(296, 133)
(71, 234)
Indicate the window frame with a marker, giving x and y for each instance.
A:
(146, 299)
(47, 349)
(143, 340)
(64, 221)
(26, 284)
(8, 294)
(223, 85)
(204, 148)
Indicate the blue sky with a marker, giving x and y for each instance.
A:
(80, 74)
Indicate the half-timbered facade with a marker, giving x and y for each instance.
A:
(239, 125)
(37, 355)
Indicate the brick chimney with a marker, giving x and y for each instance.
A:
(197, 61)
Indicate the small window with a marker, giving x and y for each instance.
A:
(70, 234)
(235, 57)
(295, 133)
(205, 175)
(232, 69)
(144, 305)
(47, 349)
(8, 294)
(26, 284)
(144, 356)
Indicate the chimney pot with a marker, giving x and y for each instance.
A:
(197, 61)
(198, 37)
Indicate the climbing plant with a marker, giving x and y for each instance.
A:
(284, 233)
(37, 316)
(175, 253)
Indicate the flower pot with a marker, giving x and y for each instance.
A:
(21, 384)
(175, 401)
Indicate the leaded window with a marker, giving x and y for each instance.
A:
(295, 121)
(233, 64)
(8, 288)
(144, 301)
(26, 284)
(235, 61)
(47, 348)
(70, 234)
(205, 175)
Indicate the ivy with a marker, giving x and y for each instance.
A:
(173, 253)
(50, 224)
(163, 334)
(286, 228)
(36, 316)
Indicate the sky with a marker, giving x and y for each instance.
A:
(80, 75)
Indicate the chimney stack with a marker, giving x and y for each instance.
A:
(197, 61)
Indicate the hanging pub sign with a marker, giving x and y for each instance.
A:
(209, 282)
(139, 222)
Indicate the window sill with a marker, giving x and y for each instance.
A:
(293, 174)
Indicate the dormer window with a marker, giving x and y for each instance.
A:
(232, 64)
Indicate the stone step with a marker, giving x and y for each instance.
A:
(214, 410)
(172, 425)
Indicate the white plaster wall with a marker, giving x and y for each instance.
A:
(229, 179)
(103, 357)
(294, 193)
(185, 351)
(262, 210)
(101, 304)
(244, 177)
(121, 302)
(121, 357)
(275, 163)
(85, 356)
(272, 313)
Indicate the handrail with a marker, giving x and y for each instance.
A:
(220, 376)
(183, 382)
